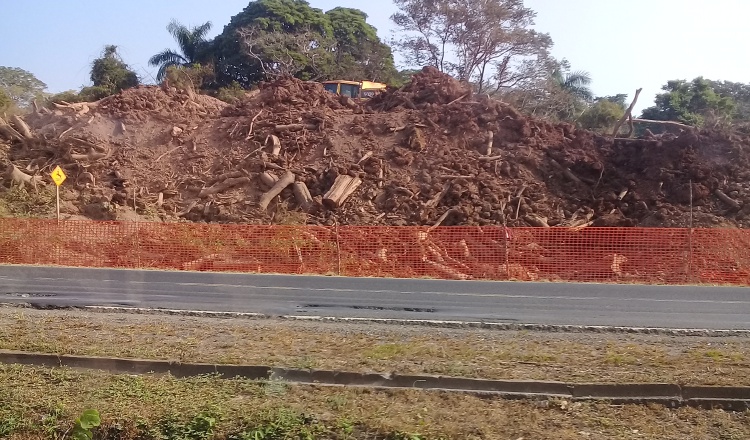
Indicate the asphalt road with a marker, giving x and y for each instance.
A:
(506, 302)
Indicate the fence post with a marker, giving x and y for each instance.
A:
(691, 277)
(338, 249)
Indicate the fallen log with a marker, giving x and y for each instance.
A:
(284, 181)
(489, 158)
(672, 123)
(342, 188)
(9, 132)
(268, 179)
(225, 176)
(726, 199)
(302, 195)
(223, 186)
(21, 127)
(566, 172)
(295, 127)
(535, 220)
(90, 156)
(18, 177)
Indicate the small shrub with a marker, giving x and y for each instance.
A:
(19, 201)
(84, 424)
(231, 94)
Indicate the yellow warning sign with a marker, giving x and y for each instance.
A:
(58, 176)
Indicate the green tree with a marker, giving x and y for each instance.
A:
(739, 93)
(482, 41)
(604, 113)
(279, 37)
(110, 75)
(359, 53)
(576, 84)
(239, 51)
(193, 48)
(20, 86)
(5, 102)
(690, 103)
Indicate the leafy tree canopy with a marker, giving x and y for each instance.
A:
(193, 46)
(20, 86)
(604, 113)
(690, 103)
(487, 42)
(739, 93)
(277, 37)
(110, 75)
(5, 102)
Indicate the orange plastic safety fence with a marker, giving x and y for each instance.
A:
(622, 255)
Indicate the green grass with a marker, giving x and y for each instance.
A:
(38, 403)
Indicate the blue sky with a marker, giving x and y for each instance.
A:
(623, 44)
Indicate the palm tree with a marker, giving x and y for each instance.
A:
(192, 42)
(576, 84)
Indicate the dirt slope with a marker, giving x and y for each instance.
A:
(421, 152)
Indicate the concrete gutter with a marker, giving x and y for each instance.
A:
(671, 395)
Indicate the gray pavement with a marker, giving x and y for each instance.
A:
(503, 302)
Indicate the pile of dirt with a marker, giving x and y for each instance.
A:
(429, 86)
(141, 103)
(428, 153)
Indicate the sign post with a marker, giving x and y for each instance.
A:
(58, 176)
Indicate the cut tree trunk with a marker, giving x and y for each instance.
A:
(9, 132)
(223, 186)
(726, 199)
(285, 180)
(490, 138)
(342, 188)
(18, 177)
(268, 179)
(21, 127)
(302, 195)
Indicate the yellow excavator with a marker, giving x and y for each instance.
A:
(354, 89)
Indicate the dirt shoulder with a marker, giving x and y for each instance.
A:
(39, 402)
(575, 357)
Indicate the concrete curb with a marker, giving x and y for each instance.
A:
(499, 326)
(671, 395)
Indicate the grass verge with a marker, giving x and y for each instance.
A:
(43, 403)
(574, 357)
